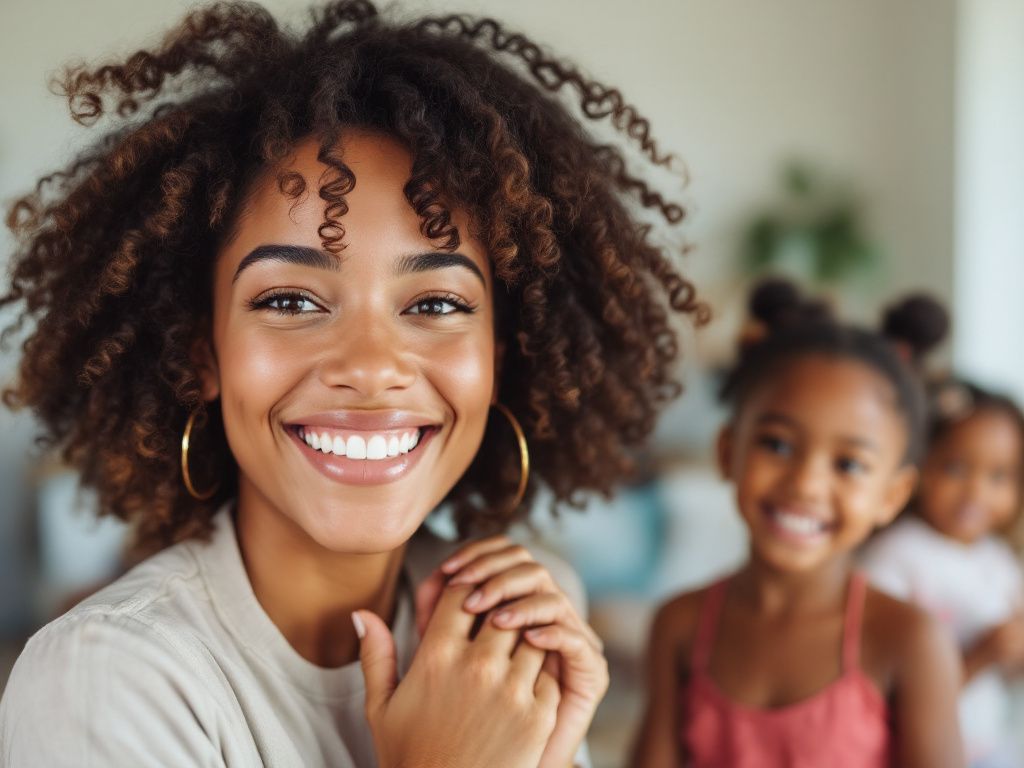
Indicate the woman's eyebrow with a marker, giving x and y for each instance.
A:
(423, 262)
(293, 254)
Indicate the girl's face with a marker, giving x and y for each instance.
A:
(816, 456)
(354, 387)
(971, 480)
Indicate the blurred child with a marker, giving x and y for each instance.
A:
(793, 661)
(947, 554)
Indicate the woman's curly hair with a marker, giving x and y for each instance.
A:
(115, 255)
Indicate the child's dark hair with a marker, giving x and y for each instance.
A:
(952, 400)
(798, 328)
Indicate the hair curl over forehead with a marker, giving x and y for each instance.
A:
(115, 252)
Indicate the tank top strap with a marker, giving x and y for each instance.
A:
(852, 624)
(707, 626)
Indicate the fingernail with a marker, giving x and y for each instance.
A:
(457, 580)
(503, 617)
(450, 566)
(360, 627)
(533, 634)
(474, 600)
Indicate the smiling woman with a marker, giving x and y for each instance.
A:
(288, 307)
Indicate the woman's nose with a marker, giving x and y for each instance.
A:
(369, 358)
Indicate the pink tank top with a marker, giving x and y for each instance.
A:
(844, 725)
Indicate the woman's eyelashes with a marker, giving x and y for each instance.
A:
(437, 305)
(291, 303)
(284, 303)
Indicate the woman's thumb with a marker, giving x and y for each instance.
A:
(378, 659)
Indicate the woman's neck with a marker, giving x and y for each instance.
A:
(308, 591)
(773, 592)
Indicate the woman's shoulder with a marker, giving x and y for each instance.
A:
(109, 679)
(145, 621)
(145, 606)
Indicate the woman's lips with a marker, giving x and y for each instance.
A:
(360, 468)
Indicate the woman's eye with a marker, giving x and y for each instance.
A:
(775, 445)
(286, 304)
(437, 306)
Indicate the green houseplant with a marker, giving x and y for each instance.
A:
(814, 231)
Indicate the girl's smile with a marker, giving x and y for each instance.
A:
(816, 456)
(801, 527)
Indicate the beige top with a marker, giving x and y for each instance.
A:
(177, 664)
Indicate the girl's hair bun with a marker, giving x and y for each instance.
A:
(919, 321)
(778, 303)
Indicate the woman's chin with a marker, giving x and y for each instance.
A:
(362, 530)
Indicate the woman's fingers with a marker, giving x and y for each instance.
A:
(492, 642)
(379, 660)
(544, 608)
(449, 619)
(584, 669)
(534, 610)
(427, 595)
(490, 563)
(527, 663)
(547, 691)
(472, 551)
(519, 580)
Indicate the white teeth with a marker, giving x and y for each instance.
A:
(799, 524)
(377, 448)
(374, 448)
(356, 447)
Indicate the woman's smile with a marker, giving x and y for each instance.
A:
(363, 448)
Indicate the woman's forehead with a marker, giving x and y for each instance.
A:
(376, 218)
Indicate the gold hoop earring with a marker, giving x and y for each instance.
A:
(198, 496)
(524, 454)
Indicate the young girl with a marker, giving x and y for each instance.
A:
(793, 661)
(306, 290)
(947, 554)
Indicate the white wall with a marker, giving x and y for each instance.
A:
(990, 193)
(863, 87)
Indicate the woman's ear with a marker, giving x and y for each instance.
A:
(897, 495)
(724, 451)
(204, 359)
